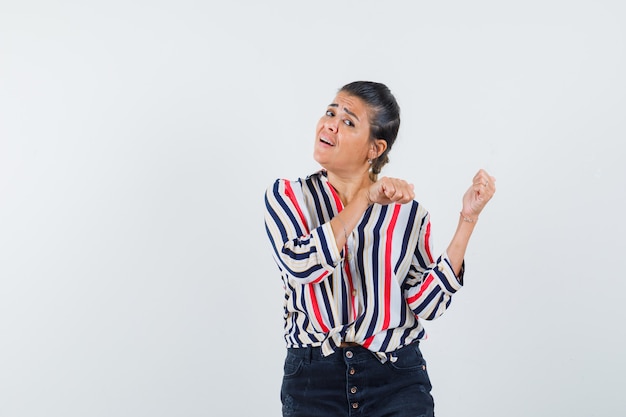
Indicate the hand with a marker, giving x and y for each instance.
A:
(390, 190)
(478, 195)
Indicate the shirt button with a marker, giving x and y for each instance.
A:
(352, 371)
(354, 293)
(355, 405)
(349, 257)
(441, 267)
(349, 354)
(353, 390)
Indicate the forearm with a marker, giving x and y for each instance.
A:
(478, 194)
(344, 223)
(307, 259)
(458, 244)
(431, 295)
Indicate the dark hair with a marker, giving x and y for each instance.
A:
(384, 116)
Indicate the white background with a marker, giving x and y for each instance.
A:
(137, 139)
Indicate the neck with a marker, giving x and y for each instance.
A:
(348, 186)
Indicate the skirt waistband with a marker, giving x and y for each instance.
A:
(311, 353)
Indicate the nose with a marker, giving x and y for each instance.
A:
(331, 124)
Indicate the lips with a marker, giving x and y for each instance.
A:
(326, 141)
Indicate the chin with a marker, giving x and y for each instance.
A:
(318, 159)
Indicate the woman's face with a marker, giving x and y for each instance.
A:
(342, 142)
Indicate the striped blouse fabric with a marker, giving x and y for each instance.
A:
(375, 290)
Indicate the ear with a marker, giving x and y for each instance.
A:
(378, 147)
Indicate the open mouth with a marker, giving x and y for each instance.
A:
(327, 142)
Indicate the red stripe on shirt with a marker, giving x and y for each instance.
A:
(388, 244)
(320, 278)
(338, 202)
(423, 289)
(427, 243)
(339, 205)
(289, 192)
(368, 341)
(316, 309)
(388, 277)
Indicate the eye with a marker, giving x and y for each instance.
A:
(329, 113)
(348, 122)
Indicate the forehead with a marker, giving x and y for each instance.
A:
(353, 104)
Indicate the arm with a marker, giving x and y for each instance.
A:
(474, 200)
(384, 191)
(344, 223)
(431, 284)
(308, 256)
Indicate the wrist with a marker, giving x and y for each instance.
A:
(468, 218)
(365, 197)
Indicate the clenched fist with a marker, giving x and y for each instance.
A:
(390, 190)
(478, 195)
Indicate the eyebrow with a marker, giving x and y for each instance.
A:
(346, 110)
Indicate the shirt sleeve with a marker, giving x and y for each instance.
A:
(430, 283)
(306, 256)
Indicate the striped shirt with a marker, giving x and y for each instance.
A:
(373, 291)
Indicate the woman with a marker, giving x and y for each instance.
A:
(356, 263)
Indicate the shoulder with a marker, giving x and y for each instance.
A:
(285, 189)
(283, 185)
(280, 185)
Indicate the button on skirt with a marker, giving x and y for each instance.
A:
(354, 382)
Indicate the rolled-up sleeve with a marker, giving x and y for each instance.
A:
(430, 284)
(306, 256)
